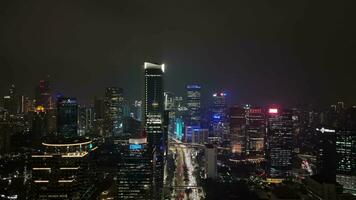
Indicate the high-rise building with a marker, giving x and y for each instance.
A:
(194, 105)
(153, 120)
(195, 134)
(86, 120)
(39, 126)
(255, 132)
(169, 105)
(134, 171)
(61, 170)
(219, 117)
(12, 102)
(43, 94)
(113, 111)
(67, 117)
(346, 150)
(99, 116)
(238, 130)
(210, 161)
(279, 144)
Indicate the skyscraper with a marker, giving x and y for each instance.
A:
(86, 119)
(194, 104)
(219, 121)
(43, 94)
(238, 130)
(113, 111)
(346, 150)
(99, 116)
(279, 144)
(255, 131)
(134, 172)
(67, 116)
(153, 120)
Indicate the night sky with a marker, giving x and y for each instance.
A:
(284, 51)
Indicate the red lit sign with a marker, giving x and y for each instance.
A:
(273, 111)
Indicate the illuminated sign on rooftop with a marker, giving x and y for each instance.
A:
(273, 111)
(135, 146)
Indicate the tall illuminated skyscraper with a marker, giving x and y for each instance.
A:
(346, 150)
(67, 117)
(219, 121)
(153, 120)
(238, 130)
(279, 144)
(113, 114)
(255, 131)
(194, 104)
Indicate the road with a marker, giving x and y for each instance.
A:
(184, 182)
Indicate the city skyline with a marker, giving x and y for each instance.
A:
(177, 100)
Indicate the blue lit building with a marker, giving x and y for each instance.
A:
(178, 130)
(193, 105)
(195, 134)
(67, 116)
(219, 119)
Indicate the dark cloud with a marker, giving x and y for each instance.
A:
(260, 51)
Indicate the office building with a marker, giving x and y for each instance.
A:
(194, 105)
(210, 161)
(134, 176)
(86, 120)
(219, 116)
(153, 120)
(43, 94)
(279, 144)
(255, 132)
(346, 150)
(113, 111)
(238, 130)
(195, 134)
(67, 116)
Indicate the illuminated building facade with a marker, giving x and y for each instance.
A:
(195, 134)
(113, 111)
(255, 132)
(61, 170)
(346, 150)
(153, 120)
(134, 171)
(279, 144)
(170, 106)
(43, 94)
(238, 130)
(86, 120)
(178, 130)
(219, 117)
(194, 105)
(67, 116)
